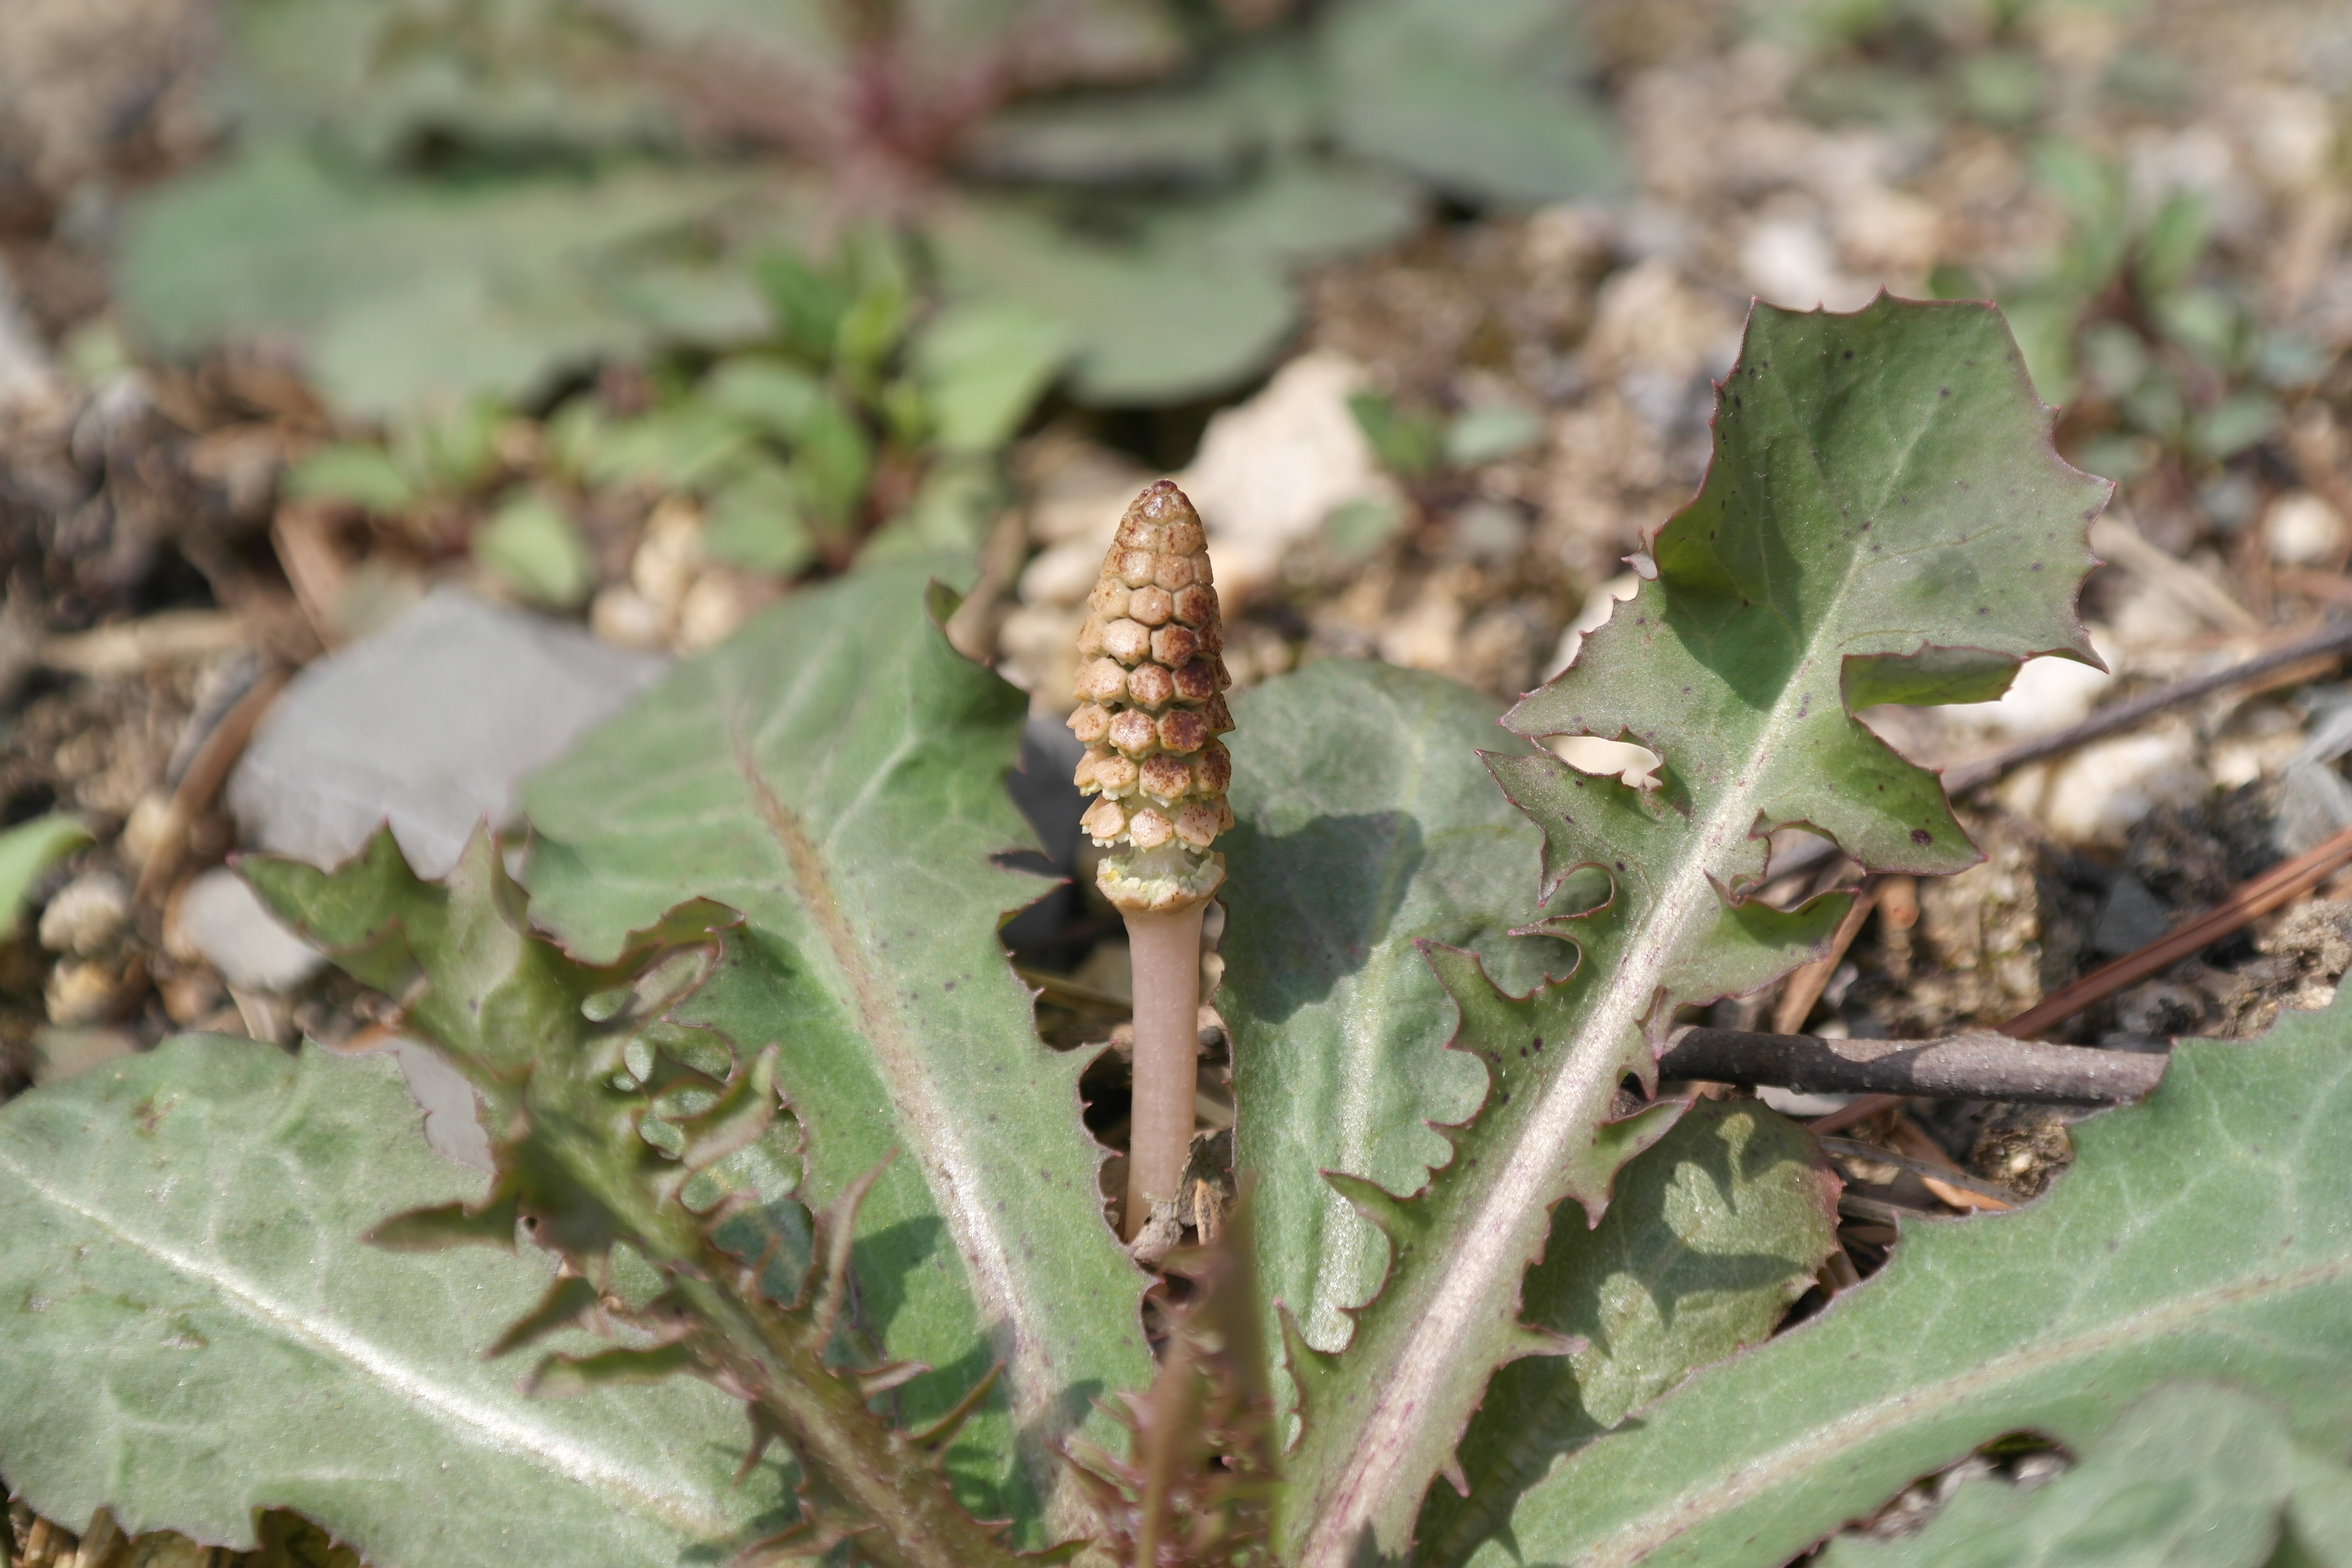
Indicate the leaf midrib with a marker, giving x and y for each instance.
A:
(1001, 1290)
(1477, 1255)
(483, 1425)
(1721, 1494)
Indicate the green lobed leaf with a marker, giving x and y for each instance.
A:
(1482, 99)
(1882, 484)
(835, 772)
(361, 474)
(1044, 44)
(2194, 1475)
(755, 522)
(767, 392)
(610, 1125)
(535, 548)
(197, 1331)
(1363, 824)
(1295, 214)
(1711, 1235)
(1146, 327)
(2198, 1235)
(379, 75)
(983, 366)
(1252, 103)
(405, 292)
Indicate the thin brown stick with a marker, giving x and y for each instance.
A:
(128, 646)
(2333, 639)
(1838, 1272)
(1807, 981)
(1862, 1108)
(2330, 588)
(1941, 1176)
(302, 534)
(200, 785)
(2288, 880)
(1980, 1065)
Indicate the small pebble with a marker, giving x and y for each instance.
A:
(2303, 530)
(142, 831)
(86, 916)
(626, 618)
(81, 991)
(191, 995)
(670, 556)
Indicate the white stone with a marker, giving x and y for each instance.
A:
(1428, 634)
(2303, 530)
(1649, 318)
(1270, 471)
(143, 830)
(2094, 796)
(2047, 695)
(668, 556)
(60, 1053)
(2291, 133)
(220, 919)
(86, 915)
(626, 618)
(431, 725)
(79, 991)
(1789, 261)
(715, 608)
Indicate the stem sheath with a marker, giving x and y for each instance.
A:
(1165, 949)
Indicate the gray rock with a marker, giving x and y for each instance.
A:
(2315, 804)
(218, 917)
(2129, 918)
(431, 724)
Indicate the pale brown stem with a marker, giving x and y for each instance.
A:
(1165, 949)
(1808, 981)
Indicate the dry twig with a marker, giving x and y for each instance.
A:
(1976, 1065)
(200, 785)
(1805, 983)
(2285, 881)
(1946, 1180)
(2331, 640)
